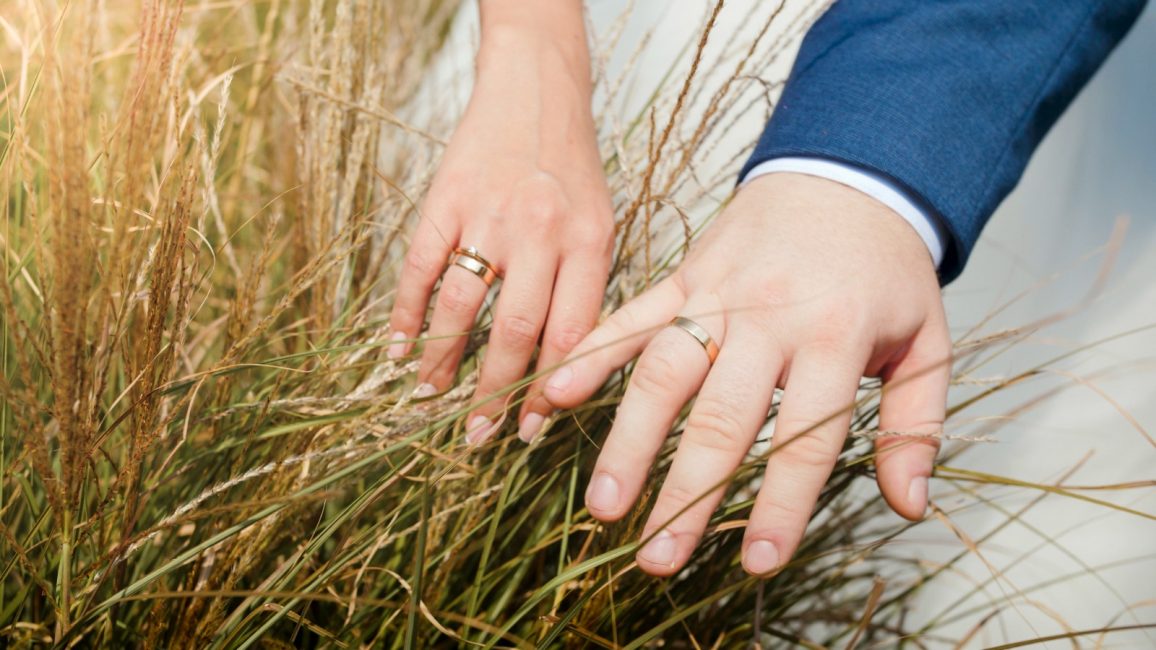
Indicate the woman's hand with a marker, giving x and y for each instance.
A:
(522, 182)
(805, 284)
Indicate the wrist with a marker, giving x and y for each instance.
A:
(871, 183)
(850, 220)
(548, 35)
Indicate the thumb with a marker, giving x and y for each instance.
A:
(911, 415)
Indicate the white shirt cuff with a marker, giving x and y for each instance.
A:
(870, 183)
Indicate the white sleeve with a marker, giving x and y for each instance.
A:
(870, 183)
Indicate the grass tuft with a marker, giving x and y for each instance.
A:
(203, 443)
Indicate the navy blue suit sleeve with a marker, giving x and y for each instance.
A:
(948, 98)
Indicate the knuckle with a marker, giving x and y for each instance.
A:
(456, 299)
(566, 337)
(541, 203)
(843, 320)
(449, 181)
(405, 312)
(544, 209)
(437, 365)
(622, 323)
(770, 305)
(595, 235)
(517, 330)
(421, 264)
(713, 424)
(676, 497)
(655, 375)
(626, 447)
(808, 451)
(784, 510)
(769, 293)
(404, 319)
(933, 425)
(911, 435)
(489, 384)
(834, 337)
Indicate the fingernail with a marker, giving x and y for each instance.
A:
(531, 425)
(560, 379)
(424, 390)
(917, 493)
(602, 495)
(479, 430)
(660, 549)
(397, 350)
(761, 557)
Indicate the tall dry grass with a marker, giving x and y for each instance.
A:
(203, 443)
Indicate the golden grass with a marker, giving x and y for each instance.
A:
(203, 443)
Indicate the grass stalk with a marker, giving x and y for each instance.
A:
(64, 577)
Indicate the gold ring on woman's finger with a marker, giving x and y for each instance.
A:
(471, 260)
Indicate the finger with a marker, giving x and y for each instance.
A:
(914, 401)
(809, 432)
(423, 265)
(518, 320)
(574, 308)
(458, 301)
(670, 370)
(612, 344)
(729, 410)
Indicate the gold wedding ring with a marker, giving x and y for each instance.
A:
(699, 334)
(471, 260)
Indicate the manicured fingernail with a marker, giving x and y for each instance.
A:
(660, 549)
(761, 557)
(531, 425)
(424, 390)
(397, 350)
(560, 379)
(479, 430)
(602, 495)
(917, 493)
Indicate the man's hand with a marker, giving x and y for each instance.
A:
(804, 284)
